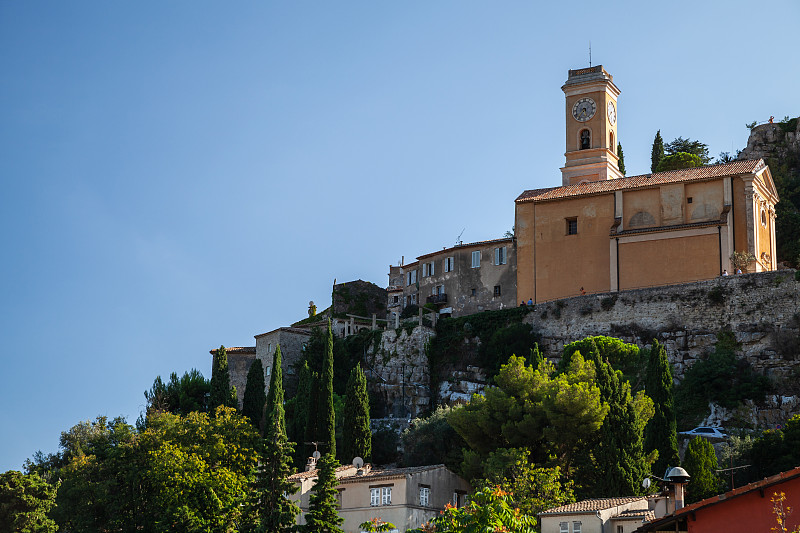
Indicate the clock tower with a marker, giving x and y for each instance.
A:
(591, 126)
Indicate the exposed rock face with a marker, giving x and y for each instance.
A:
(769, 140)
(760, 309)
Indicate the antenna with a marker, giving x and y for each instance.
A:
(590, 53)
(316, 454)
(458, 239)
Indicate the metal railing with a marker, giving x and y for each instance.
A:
(437, 299)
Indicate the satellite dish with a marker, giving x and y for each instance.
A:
(316, 454)
(358, 462)
(646, 483)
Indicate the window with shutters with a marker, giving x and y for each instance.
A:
(427, 269)
(576, 527)
(412, 277)
(386, 495)
(500, 256)
(374, 497)
(476, 259)
(563, 527)
(449, 264)
(424, 495)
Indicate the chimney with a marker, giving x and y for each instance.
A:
(678, 478)
(311, 464)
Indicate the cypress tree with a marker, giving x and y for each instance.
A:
(357, 440)
(297, 424)
(327, 416)
(700, 462)
(270, 508)
(658, 152)
(313, 419)
(221, 392)
(660, 433)
(619, 453)
(322, 514)
(254, 396)
(536, 356)
(621, 162)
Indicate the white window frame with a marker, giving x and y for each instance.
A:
(563, 527)
(500, 257)
(576, 527)
(386, 495)
(374, 497)
(449, 263)
(424, 496)
(476, 259)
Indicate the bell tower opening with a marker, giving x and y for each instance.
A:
(591, 126)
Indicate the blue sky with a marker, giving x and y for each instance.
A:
(180, 175)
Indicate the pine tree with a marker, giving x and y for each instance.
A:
(221, 391)
(270, 509)
(254, 396)
(621, 162)
(700, 462)
(322, 515)
(327, 415)
(660, 433)
(619, 453)
(658, 152)
(357, 441)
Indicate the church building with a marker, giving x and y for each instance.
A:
(603, 232)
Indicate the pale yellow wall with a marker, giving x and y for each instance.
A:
(707, 201)
(565, 263)
(598, 125)
(524, 231)
(739, 216)
(646, 201)
(666, 261)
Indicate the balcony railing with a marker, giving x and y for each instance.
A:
(437, 299)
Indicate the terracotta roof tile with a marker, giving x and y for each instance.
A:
(643, 181)
(591, 506)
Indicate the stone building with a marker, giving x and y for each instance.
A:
(462, 280)
(406, 497)
(601, 232)
(239, 360)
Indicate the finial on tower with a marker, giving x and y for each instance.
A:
(590, 53)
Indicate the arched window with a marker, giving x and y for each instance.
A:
(611, 145)
(586, 139)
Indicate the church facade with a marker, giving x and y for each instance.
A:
(603, 232)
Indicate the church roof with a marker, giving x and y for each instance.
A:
(645, 180)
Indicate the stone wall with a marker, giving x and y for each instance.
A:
(760, 309)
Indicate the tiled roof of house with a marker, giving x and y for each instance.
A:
(632, 514)
(286, 329)
(345, 476)
(238, 350)
(468, 245)
(645, 180)
(592, 506)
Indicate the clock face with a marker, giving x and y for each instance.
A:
(612, 113)
(584, 109)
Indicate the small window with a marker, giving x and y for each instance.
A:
(563, 527)
(412, 277)
(496, 290)
(476, 259)
(689, 200)
(374, 497)
(386, 496)
(576, 527)
(269, 369)
(474, 292)
(572, 226)
(424, 496)
(500, 256)
(339, 497)
(427, 269)
(448, 264)
(620, 529)
(395, 299)
(764, 217)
